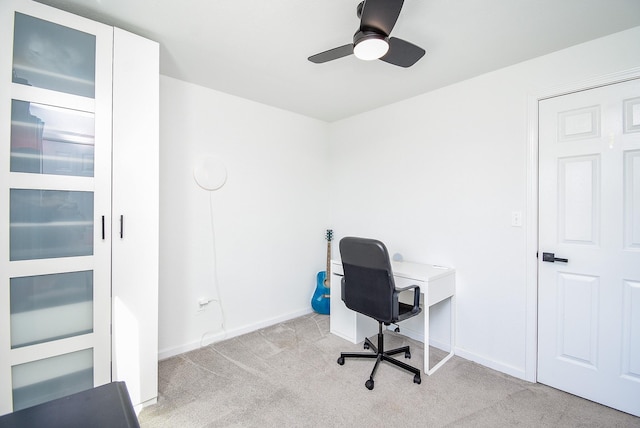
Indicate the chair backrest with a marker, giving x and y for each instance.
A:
(367, 285)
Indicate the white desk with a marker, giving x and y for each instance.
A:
(436, 284)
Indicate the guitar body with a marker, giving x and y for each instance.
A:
(320, 301)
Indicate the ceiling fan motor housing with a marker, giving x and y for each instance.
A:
(362, 35)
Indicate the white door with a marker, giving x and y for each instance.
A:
(55, 203)
(589, 202)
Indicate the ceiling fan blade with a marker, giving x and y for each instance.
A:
(402, 53)
(380, 15)
(332, 54)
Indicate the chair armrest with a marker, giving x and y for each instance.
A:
(416, 293)
(408, 287)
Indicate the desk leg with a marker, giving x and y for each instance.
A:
(426, 330)
(452, 312)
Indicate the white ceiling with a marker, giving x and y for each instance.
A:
(258, 49)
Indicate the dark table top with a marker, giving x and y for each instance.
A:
(106, 406)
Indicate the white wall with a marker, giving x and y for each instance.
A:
(269, 217)
(437, 177)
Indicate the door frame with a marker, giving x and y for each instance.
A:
(531, 225)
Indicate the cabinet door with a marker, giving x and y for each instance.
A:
(55, 193)
(135, 214)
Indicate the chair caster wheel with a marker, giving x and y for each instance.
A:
(397, 330)
(407, 354)
(369, 384)
(366, 345)
(416, 379)
(341, 361)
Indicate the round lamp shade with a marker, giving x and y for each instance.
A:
(371, 48)
(210, 173)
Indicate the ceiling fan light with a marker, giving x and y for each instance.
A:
(371, 48)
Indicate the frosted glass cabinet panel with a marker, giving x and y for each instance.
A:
(51, 56)
(50, 378)
(51, 140)
(50, 224)
(50, 307)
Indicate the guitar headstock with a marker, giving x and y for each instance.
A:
(329, 235)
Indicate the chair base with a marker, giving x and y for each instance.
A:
(379, 354)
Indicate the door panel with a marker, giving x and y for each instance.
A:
(51, 140)
(589, 214)
(631, 331)
(53, 56)
(47, 224)
(50, 378)
(632, 199)
(55, 210)
(577, 318)
(578, 194)
(50, 307)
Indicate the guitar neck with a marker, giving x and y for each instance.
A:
(328, 257)
(327, 281)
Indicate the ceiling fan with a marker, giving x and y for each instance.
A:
(372, 41)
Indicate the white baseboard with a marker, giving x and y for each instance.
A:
(208, 339)
(492, 364)
(138, 407)
(446, 346)
(419, 336)
(443, 346)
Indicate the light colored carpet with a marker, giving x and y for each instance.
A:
(287, 376)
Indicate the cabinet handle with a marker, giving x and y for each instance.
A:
(121, 226)
(103, 228)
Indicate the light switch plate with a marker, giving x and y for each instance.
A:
(516, 218)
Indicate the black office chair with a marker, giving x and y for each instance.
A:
(368, 288)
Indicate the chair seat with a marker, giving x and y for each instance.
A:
(406, 311)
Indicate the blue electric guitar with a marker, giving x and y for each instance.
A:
(321, 297)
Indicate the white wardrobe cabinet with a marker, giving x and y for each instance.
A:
(78, 207)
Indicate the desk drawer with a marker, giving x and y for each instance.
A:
(336, 267)
(441, 289)
(437, 289)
